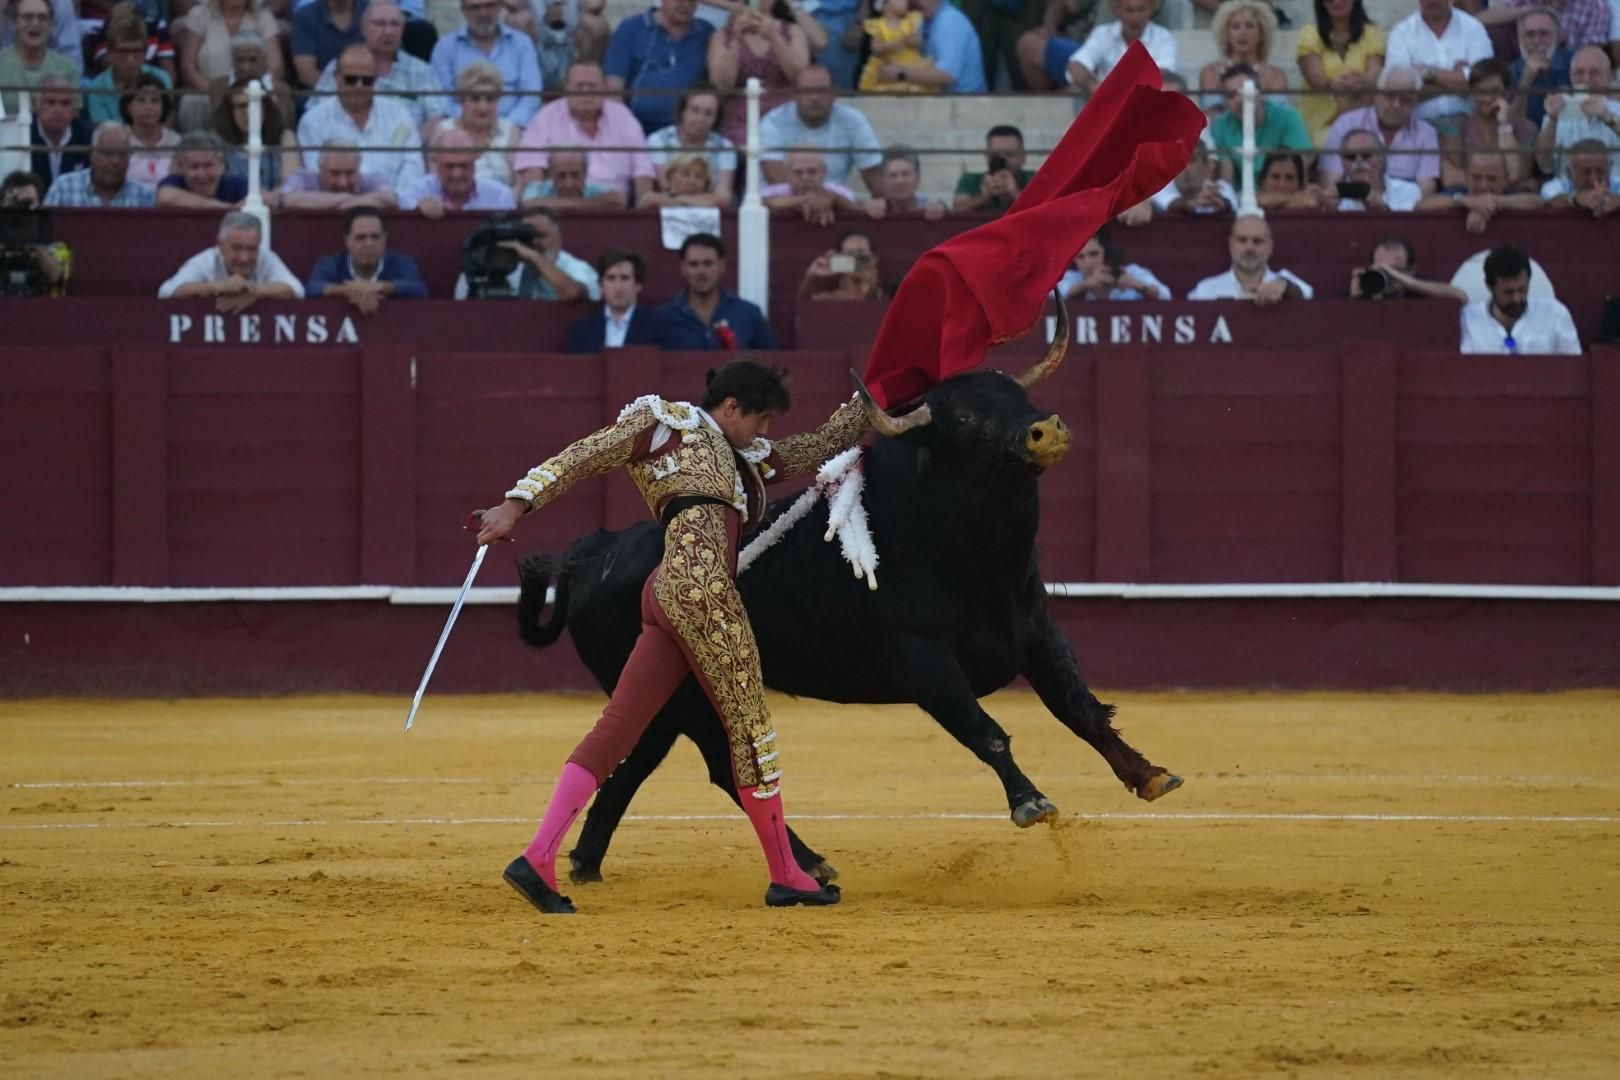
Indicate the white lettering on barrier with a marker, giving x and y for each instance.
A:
(1145, 329)
(251, 329)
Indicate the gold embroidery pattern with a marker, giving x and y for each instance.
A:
(695, 588)
(799, 454)
(593, 455)
(699, 462)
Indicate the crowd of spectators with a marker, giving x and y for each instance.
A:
(541, 110)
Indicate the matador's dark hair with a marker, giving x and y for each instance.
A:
(758, 387)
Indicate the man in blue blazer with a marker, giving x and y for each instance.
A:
(621, 319)
(367, 272)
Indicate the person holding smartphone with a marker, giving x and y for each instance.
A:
(848, 272)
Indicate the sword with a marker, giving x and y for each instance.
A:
(461, 598)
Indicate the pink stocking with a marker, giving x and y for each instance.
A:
(770, 825)
(574, 789)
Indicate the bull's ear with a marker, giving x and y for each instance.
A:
(1054, 352)
(882, 422)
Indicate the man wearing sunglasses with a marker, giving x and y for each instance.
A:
(1413, 144)
(410, 81)
(381, 127)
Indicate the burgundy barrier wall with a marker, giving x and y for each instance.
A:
(155, 465)
(129, 253)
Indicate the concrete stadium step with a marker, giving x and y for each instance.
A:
(954, 127)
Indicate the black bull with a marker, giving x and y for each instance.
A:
(961, 611)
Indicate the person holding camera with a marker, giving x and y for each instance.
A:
(523, 259)
(1100, 272)
(1392, 276)
(1364, 184)
(848, 272)
(1004, 176)
(1588, 113)
(35, 268)
(1196, 190)
(235, 274)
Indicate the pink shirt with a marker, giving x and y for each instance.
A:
(554, 126)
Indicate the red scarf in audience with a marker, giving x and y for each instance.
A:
(991, 283)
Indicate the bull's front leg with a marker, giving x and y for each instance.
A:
(930, 676)
(1054, 673)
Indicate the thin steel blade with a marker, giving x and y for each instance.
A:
(416, 702)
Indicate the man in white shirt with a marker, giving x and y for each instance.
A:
(381, 126)
(1442, 44)
(815, 117)
(1106, 45)
(236, 273)
(1251, 276)
(1513, 321)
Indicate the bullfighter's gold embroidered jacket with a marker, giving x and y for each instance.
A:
(674, 449)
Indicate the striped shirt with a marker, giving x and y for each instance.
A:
(75, 189)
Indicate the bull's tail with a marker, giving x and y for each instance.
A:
(536, 575)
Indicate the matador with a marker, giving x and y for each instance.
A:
(703, 470)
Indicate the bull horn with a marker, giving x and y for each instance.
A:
(1054, 352)
(882, 422)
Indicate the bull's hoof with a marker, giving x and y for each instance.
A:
(1033, 812)
(823, 871)
(580, 874)
(1155, 786)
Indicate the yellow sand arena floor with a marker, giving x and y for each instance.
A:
(1370, 886)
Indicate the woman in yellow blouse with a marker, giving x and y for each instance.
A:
(1340, 56)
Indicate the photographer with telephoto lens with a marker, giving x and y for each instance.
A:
(522, 258)
(1391, 276)
(31, 262)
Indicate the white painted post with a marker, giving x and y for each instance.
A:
(254, 203)
(753, 220)
(1247, 203)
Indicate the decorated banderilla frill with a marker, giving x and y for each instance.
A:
(841, 480)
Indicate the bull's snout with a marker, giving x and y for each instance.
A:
(1048, 440)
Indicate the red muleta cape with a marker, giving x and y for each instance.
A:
(991, 283)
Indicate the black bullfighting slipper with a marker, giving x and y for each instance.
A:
(533, 888)
(785, 896)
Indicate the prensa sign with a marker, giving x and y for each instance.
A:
(252, 329)
(1147, 329)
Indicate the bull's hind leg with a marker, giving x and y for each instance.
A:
(931, 677)
(1054, 673)
(614, 796)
